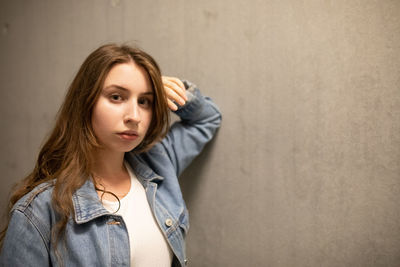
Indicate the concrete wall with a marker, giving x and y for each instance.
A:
(305, 169)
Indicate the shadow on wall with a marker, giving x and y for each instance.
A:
(193, 176)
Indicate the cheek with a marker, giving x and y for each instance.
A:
(149, 118)
(96, 123)
(101, 118)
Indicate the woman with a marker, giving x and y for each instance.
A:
(104, 191)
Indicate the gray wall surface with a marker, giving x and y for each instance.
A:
(305, 168)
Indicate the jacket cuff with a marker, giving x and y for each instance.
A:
(194, 103)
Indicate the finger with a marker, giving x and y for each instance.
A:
(174, 92)
(177, 85)
(182, 89)
(172, 105)
(174, 96)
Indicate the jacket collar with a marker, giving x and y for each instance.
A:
(87, 204)
(142, 170)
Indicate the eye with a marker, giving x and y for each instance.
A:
(145, 102)
(116, 97)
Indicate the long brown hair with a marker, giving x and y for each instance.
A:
(65, 158)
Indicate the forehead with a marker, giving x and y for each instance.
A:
(130, 76)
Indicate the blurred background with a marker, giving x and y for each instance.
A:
(305, 170)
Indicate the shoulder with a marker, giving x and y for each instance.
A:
(29, 228)
(37, 201)
(33, 216)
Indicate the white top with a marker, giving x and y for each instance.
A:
(148, 244)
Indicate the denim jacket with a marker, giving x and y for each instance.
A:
(95, 237)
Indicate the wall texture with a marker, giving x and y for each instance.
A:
(305, 170)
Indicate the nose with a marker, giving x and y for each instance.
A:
(132, 114)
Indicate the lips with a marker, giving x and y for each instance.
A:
(128, 135)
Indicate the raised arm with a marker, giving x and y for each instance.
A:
(200, 119)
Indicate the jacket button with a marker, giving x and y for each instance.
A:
(114, 222)
(168, 222)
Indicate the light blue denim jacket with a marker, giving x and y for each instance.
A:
(95, 237)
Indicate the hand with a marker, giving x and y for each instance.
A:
(176, 92)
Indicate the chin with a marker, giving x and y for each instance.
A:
(130, 148)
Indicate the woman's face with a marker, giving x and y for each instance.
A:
(123, 112)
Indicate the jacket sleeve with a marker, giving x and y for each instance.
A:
(24, 244)
(199, 120)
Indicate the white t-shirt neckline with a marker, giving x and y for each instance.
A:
(148, 244)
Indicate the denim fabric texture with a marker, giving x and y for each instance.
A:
(95, 237)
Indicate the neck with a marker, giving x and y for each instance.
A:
(108, 166)
(110, 174)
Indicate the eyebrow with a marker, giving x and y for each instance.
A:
(124, 89)
(116, 86)
(148, 93)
